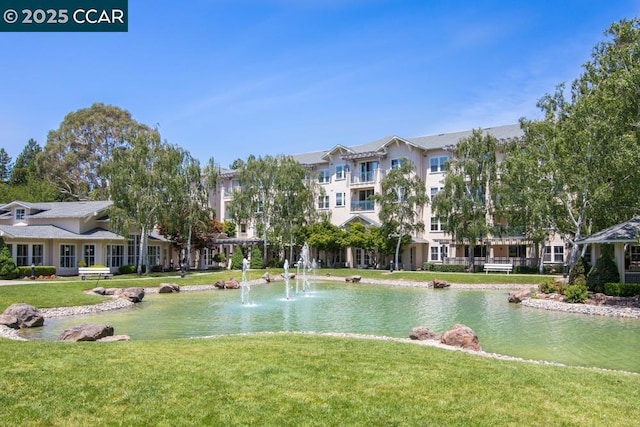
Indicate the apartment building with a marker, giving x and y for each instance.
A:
(350, 174)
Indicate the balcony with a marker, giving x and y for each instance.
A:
(363, 178)
(362, 205)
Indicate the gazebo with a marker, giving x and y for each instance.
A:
(625, 240)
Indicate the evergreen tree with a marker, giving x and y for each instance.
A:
(604, 271)
(256, 259)
(8, 269)
(5, 165)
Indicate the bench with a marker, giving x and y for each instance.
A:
(498, 267)
(100, 272)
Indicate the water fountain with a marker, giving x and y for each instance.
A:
(244, 283)
(306, 266)
(286, 278)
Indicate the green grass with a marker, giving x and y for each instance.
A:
(294, 379)
(69, 291)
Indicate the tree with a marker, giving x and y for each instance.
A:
(365, 238)
(229, 228)
(523, 200)
(256, 259)
(237, 164)
(76, 152)
(588, 146)
(189, 218)
(25, 166)
(465, 203)
(402, 199)
(8, 269)
(5, 165)
(145, 180)
(276, 195)
(323, 235)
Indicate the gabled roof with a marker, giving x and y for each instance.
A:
(625, 232)
(53, 232)
(360, 218)
(61, 209)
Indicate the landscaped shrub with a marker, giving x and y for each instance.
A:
(622, 289)
(428, 266)
(256, 258)
(576, 293)
(552, 268)
(449, 268)
(578, 275)
(130, 269)
(40, 270)
(236, 259)
(219, 257)
(525, 269)
(604, 271)
(8, 269)
(550, 286)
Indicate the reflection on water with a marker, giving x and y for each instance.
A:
(501, 327)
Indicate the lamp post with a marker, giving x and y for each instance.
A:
(33, 271)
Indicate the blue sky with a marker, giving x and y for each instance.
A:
(227, 79)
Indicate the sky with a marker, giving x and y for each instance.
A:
(231, 78)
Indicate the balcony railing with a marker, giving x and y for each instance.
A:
(364, 205)
(363, 177)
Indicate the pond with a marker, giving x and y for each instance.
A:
(504, 328)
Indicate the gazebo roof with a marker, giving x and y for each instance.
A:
(625, 232)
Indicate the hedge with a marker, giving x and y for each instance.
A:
(40, 270)
(444, 268)
(622, 289)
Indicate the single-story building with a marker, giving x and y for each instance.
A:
(64, 234)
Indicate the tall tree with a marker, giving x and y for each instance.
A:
(145, 179)
(76, 152)
(588, 145)
(5, 165)
(403, 197)
(465, 203)
(25, 166)
(276, 194)
(190, 216)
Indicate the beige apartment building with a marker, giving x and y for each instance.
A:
(350, 174)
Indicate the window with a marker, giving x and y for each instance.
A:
(554, 254)
(437, 163)
(362, 258)
(439, 253)
(89, 255)
(20, 214)
(37, 254)
(133, 249)
(323, 176)
(436, 224)
(366, 172)
(208, 255)
(340, 199)
(396, 163)
(22, 255)
(341, 172)
(362, 202)
(243, 228)
(434, 190)
(115, 255)
(323, 202)
(67, 256)
(517, 251)
(153, 252)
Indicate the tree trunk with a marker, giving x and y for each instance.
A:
(189, 248)
(541, 259)
(143, 231)
(472, 250)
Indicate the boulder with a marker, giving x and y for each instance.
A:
(9, 320)
(268, 277)
(90, 332)
(353, 279)
(291, 276)
(461, 336)
(439, 284)
(518, 296)
(28, 316)
(133, 294)
(112, 291)
(168, 288)
(422, 333)
(219, 284)
(232, 284)
(99, 290)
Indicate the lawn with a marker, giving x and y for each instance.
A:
(297, 379)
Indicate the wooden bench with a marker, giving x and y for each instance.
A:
(498, 267)
(100, 272)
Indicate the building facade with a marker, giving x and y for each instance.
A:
(349, 175)
(69, 234)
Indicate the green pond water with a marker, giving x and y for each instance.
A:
(503, 328)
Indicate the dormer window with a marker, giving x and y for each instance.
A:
(21, 213)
